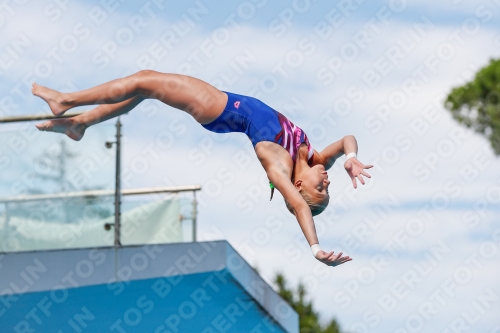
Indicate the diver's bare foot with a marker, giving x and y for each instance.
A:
(53, 97)
(68, 126)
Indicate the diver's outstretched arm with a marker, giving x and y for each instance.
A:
(347, 145)
(304, 216)
(332, 152)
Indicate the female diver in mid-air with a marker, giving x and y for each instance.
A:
(292, 165)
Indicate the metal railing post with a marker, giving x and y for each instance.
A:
(195, 212)
(6, 223)
(118, 184)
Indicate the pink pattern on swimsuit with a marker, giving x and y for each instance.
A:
(291, 137)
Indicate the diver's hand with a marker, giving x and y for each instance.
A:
(355, 169)
(331, 259)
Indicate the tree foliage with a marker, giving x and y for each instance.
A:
(476, 104)
(308, 318)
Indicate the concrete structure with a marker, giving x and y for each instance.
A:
(184, 287)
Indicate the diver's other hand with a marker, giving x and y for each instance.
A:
(332, 259)
(355, 169)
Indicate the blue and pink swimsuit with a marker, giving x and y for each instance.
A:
(260, 123)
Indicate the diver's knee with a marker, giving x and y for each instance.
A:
(144, 73)
(142, 81)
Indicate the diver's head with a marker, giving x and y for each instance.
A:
(312, 183)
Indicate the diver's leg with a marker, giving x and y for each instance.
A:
(75, 127)
(201, 100)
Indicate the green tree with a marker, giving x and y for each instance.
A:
(476, 104)
(308, 318)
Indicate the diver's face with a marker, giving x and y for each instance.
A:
(315, 182)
